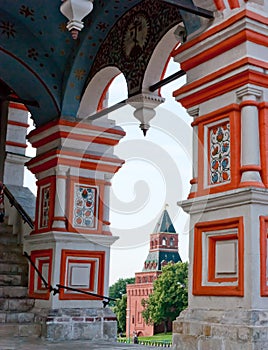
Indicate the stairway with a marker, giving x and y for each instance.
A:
(17, 314)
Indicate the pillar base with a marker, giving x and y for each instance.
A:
(233, 329)
(82, 324)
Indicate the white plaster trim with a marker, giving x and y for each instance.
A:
(211, 41)
(228, 199)
(16, 158)
(42, 161)
(88, 160)
(75, 130)
(215, 81)
(174, 250)
(70, 237)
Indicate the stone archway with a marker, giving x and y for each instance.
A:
(226, 93)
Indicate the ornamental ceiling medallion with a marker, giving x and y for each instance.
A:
(136, 36)
(133, 39)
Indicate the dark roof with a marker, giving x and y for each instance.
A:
(164, 224)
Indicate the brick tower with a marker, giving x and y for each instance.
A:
(163, 249)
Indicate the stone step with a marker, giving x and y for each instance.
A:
(11, 279)
(20, 330)
(6, 268)
(16, 304)
(8, 239)
(17, 317)
(13, 257)
(5, 228)
(14, 247)
(13, 292)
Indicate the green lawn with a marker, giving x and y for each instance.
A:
(159, 337)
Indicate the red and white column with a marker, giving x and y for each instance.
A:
(15, 158)
(71, 240)
(226, 94)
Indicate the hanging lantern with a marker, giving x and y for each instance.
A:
(75, 11)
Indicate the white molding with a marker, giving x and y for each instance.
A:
(249, 91)
(70, 237)
(228, 199)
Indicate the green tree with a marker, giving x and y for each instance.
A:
(119, 288)
(169, 297)
(121, 313)
(118, 291)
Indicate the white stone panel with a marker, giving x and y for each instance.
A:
(226, 258)
(45, 269)
(79, 275)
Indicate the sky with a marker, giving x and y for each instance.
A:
(155, 176)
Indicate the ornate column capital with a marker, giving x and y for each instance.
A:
(249, 92)
(193, 112)
(61, 170)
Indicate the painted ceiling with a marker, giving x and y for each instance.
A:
(41, 63)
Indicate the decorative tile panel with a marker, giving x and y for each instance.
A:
(85, 207)
(219, 154)
(44, 211)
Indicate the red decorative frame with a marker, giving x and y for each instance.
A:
(92, 271)
(99, 203)
(210, 226)
(222, 123)
(263, 255)
(263, 107)
(45, 256)
(50, 181)
(212, 258)
(89, 255)
(231, 113)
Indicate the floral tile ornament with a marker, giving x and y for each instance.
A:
(45, 206)
(2, 206)
(220, 161)
(84, 206)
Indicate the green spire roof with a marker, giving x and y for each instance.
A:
(164, 224)
(160, 255)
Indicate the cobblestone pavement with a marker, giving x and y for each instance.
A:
(39, 344)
